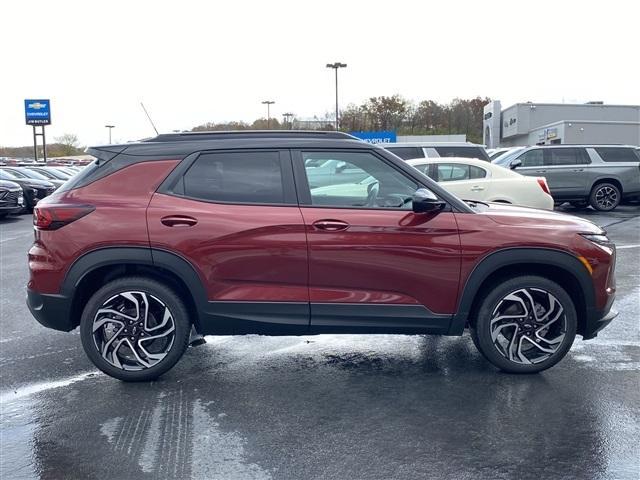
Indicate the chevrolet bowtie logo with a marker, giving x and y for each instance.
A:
(37, 105)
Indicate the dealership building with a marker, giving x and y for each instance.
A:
(560, 123)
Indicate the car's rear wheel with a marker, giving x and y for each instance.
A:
(525, 325)
(605, 197)
(135, 329)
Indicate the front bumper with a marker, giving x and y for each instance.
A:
(598, 320)
(51, 310)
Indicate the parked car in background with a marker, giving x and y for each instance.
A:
(504, 153)
(596, 175)
(33, 189)
(472, 179)
(11, 198)
(52, 172)
(496, 152)
(409, 150)
(24, 172)
(221, 232)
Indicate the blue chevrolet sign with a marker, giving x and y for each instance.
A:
(37, 112)
(384, 136)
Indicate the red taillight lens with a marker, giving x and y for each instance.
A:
(52, 217)
(543, 185)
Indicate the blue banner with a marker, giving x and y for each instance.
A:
(37, 112)
(376, 137)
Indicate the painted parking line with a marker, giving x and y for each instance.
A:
(623, 247)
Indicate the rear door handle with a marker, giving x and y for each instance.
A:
(578, 170)
(178, 221)
(541, 171)
(477, 188)
(330, 225)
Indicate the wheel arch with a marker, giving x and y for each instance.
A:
(607, 179)
(93, 269)
(556, 265)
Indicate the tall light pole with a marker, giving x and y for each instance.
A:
(336, 66)
(287, 119)
(110, 127)
(268, 103)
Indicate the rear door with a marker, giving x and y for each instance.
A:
(565, 171)
(373, 263)
(234, 216)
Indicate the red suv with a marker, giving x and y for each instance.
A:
(296, 233)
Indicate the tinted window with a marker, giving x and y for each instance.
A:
(567, 156)
(381, 186)
(407, 153)
(476, 172)
(611, 154)
(243, 177)
(532, 158)
(463, 152)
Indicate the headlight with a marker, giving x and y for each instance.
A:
(601, 240)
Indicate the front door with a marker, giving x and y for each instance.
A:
(373, 263)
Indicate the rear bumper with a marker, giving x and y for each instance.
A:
(51, 310)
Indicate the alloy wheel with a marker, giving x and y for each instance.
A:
(528, 326)
(133, 330)
(606, 197)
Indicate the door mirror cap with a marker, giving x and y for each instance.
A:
(425, 201)
(515, 164)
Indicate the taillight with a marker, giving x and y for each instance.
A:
(543, 185)
(52, 217)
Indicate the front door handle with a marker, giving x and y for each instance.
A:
(541, 171)
(178, 221)
(477, 188)
(330, 225)
(578, 169)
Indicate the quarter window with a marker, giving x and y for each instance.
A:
(407, 153)
(237, 177)
(360, 180)
(613, 154)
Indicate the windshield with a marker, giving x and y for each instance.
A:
(507, 156)
(32, 174)
(5, 175)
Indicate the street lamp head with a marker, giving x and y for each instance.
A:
(336, 65)
(110, 126)
(268, 102)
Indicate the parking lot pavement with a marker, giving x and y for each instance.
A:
(357, 407)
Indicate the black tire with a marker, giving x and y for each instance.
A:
(538, 288)
(605, 196)
(161, 296)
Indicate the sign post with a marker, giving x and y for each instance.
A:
(38, 114)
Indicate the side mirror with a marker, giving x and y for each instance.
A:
(425, 201)
(515, 164)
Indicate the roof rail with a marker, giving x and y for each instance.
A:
(220, 135)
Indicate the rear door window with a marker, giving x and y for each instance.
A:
(236, 177)
(566, 156)
(614, 154)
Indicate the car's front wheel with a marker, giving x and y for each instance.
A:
(135, 329)
(525, 325)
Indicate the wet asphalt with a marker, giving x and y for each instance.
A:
(321, 407)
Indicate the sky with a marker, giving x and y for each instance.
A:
(192, 62)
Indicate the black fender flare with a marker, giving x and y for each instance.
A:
(151, 257)
(514, 256)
